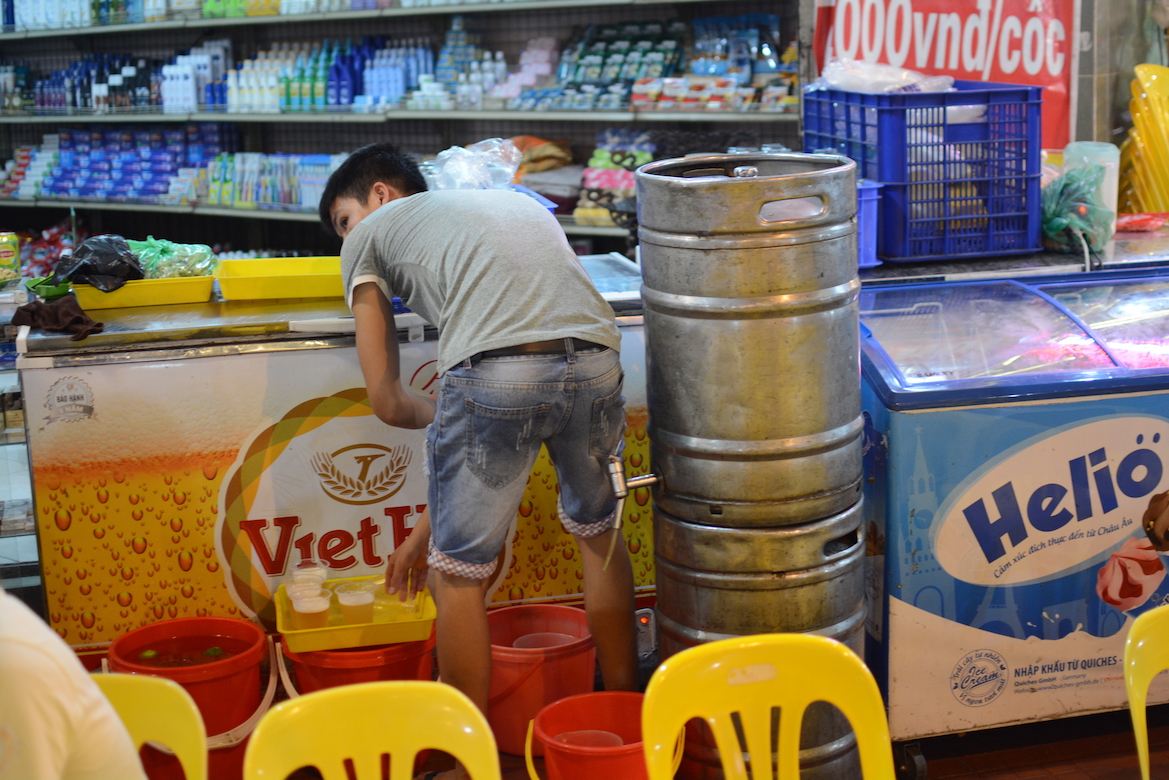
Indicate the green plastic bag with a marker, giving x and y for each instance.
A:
(162, 259)
(1072, 209)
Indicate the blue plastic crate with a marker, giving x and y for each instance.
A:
(953, 189)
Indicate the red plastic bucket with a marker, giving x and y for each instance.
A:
(227, 692)
(319, 669)
(616, 714)
(524, 680)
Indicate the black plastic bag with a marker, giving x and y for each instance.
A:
(105, 262)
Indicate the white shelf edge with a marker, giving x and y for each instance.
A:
(413, 116)
(570, 227)
(336, 16)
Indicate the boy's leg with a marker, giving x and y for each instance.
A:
(609, 606)
(463, 641)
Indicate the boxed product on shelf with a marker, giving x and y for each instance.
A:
(278, 182)
(960, 169)
(129, 164)
(609, 176)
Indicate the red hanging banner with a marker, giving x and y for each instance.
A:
(1029, 42)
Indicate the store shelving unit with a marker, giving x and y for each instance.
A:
(570, 227)
(334, 16)
(503, 26)
(608, 117)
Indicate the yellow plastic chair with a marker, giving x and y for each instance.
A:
(750, 675)
(365, 725)
(1146, 654)
(158, 710)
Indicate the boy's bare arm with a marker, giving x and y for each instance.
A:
(377, 351)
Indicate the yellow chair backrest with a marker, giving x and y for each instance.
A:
(155, 709)
(750, 675)
(368, 724)
(1146, 654)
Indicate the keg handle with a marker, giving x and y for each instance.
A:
(621, 488)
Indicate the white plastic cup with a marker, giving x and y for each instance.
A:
(543, 639)
(356, 600)
(310, 608)
(308, 570)
(594, 738)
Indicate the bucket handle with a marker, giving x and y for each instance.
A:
(509, 690)
(234, 736)
(679, 749)
(285, 679)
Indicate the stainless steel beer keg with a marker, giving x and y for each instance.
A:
(750, 291)
(750, 296)
(717, 582)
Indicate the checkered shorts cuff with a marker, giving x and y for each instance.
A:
(581, 530)
(448, 565)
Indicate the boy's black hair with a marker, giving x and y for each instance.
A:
(364, 168)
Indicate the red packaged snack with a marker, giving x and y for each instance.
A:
(1140, 223)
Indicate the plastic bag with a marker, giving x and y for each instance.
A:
(162, 259)
(489, 164)
(1072, 210)
(875, 78)
(106, 262)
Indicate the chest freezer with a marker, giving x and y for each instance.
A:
(1016, 435)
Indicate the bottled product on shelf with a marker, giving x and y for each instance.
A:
(122, 83)
(23, 15)
(329, 76)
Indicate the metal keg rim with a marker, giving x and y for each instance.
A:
(831, 163)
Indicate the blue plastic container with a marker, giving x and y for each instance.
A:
(953, 188)
(868, 192)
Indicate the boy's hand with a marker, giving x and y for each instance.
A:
(406, 568)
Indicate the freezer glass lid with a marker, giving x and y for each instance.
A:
(616, 277)
(1130, 316)
(984, 330)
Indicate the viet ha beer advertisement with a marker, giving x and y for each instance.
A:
(1009, 540)
(181, 488)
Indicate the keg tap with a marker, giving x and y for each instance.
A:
(621, 488)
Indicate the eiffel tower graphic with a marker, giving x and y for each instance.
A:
(999, 614)
(924, 583)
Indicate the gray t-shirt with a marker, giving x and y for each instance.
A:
(489, 268)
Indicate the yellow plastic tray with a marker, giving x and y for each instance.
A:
(283, 277)
(393, 622)
(146, 292)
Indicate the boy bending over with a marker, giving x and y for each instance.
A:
(528, 352)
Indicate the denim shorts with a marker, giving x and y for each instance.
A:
(493, 414)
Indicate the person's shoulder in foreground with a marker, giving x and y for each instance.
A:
(55, 724)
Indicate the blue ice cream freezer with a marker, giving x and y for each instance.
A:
(1016, 436)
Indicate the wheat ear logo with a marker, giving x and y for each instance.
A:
(362, 473)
